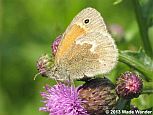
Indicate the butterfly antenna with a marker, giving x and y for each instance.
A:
(36, 75)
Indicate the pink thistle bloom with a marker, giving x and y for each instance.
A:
(55, 44)
(129, 85)
(62, 100)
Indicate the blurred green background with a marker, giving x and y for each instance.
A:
(27, 29)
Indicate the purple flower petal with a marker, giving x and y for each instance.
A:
(62, 100)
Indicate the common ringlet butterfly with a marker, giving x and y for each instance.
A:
(86, 48)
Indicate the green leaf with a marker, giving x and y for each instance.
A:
(149, 109)
(139, 61)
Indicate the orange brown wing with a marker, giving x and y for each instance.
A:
(93, 54)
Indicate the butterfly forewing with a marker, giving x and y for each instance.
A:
(86, 49)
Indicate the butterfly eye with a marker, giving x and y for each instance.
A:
(86, 21)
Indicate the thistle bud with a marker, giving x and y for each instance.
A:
(44, 64)
(55, 44)
(97, 95)
(129, 85)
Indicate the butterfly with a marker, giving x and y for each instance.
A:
(86, 48)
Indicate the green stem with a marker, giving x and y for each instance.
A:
(143, 28)
(122, 104)
(147, 91)
(133, 62)
(147, 88)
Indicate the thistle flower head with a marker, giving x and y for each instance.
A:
(129, 85)
(117, 31)
(62, 100)
(44, 63)
(98, 95)
(55, 44)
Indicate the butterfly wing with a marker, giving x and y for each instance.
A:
(90, 55)
(86, 49)
(78, 28)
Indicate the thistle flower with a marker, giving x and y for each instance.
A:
(62, 100)
(98, 95)
(129, 85)
(117, 31)
(55, 44)
(44, 63)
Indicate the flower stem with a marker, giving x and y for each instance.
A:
(149, 91)
(143, 28)
(147, 88)
(133, 62)
(122, 104)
